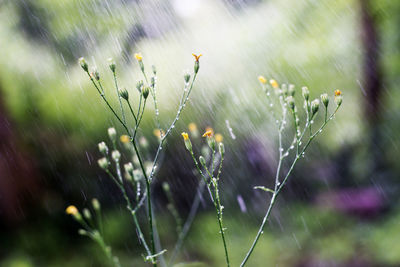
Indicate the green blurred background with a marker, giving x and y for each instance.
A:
(341, 206)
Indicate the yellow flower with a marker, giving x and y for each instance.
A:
(125, 139)
(71, 210)
(338, 92)
(274, 83)
(185, 136)
(197, 57)
(138, 57)
(208, 133)
(219, 138)
(158, 133)
(262, 79)
(192, 127)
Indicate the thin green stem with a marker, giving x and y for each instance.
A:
(119, 97)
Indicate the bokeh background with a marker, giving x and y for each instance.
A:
(341, 207)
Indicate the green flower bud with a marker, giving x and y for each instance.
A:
(305, 92)
(82, 232)
(103, 163)
(338, 100)
(165, 186)
(95, 204)
(139, 86)
(111, 64)
(290, 102)
(188, 143)
(124, 94)
(95, 74)
(186, 76)
(128, 167)
(202, 161)
(211, 142)
(291, 90)
(221, 148)
(196, 66)
(86, 214)
(137, 175)
(145, 92)
(116, 155)
(112, 133)
(103, 148)
(314, 106)
(325, 100)
(152, 82)
(83, 64)
(154, 69)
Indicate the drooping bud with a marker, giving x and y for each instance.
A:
(103, 163)
(145, 92)
(111, 64)
(124, 94)
(116, 155)
(202, 161)
(83, 64)
(325, 100)
(305, 92)
(290, 102)
(103, 148)
(112, 133)
(96, 204)
(314, 106)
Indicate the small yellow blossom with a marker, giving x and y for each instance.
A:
(71, 210)
(338, 92)
(197, 57)
(158, 133)
(125, 139)
(185, 136)
(138, 57)
(274, 83)
(210, 129)
(192, 127)
(208, 133)
(262, 79)
(219, 138)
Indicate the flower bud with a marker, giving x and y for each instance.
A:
(290, 102)
(196, 66)
(143, 142)
(82, 232)
(128, 167)
(186, 77)
(305, 92)
(165, 186)
(154, 69)
(86, 214)
(116, 155)
(221, 148)
(95, 204)
(145, 92)
(95, 74)
(72, 210)
(103, 148)
(152, 82)
(325, 100)
(103, 163)
(314, 106)
(202, 161)
(111, 64)
(137, 175)
(188, 143)
(83, 64)
(124, 94)
(262, 79)
(338, 100)
(112, 133)
(291, 90)
(139, 86)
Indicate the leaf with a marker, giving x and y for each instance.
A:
(265, 189)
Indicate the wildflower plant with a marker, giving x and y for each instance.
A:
(136, 172)
(302, 138)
